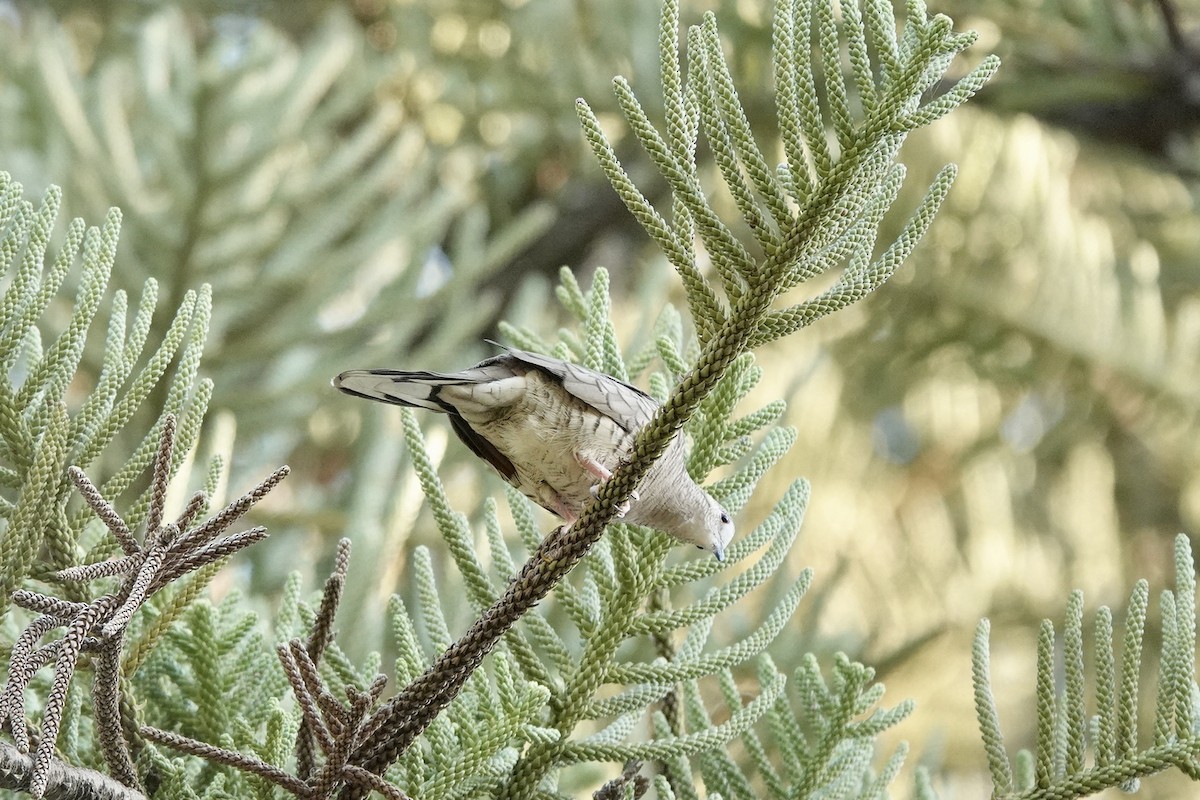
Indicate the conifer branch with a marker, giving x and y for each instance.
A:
(230, 758)
(1064, 735)
(842, 189)
(99, 626)
(63, 782)
(333, 728)
(318, 640)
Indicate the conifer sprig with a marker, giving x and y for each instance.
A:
(831, 196)
(39, 437)
(1078, 753)
(168, 552)
(820, 197)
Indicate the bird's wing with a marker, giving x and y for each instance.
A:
(626, 405)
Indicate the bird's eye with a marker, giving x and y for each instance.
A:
(699, 547)
(724, 518)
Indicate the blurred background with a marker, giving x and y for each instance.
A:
(379, 182)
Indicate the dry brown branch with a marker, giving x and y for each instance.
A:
(334, 729)
(615, 789)
(318, 640)
(106, 698)
(251, 764)
(99, 626)
(104, 510)
(62, 782)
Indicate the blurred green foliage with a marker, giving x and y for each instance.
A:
(1013, 416)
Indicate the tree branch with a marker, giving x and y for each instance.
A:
(63, 782)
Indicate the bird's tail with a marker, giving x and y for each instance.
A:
(413, 389)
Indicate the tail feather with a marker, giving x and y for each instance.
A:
(472, 391)
(412, 389)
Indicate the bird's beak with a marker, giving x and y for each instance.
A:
(719, 552)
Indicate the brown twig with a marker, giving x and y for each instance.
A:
(62, 782)
(318, 640)
(106, 697)
(327, 725)
(231, 758)
(615, 789)
(99, 626)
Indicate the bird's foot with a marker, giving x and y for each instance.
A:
(623, 508)
(603, 473)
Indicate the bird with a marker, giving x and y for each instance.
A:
(555, 430)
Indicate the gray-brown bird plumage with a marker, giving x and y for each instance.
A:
(554, 430)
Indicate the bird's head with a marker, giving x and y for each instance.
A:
(712, 530)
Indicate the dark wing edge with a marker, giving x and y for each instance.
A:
(483, 448)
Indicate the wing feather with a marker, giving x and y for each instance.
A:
(627, 405)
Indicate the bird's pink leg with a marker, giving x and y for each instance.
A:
(564, 510)
(601, 472)
(593, 467)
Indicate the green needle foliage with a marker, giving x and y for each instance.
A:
(286, 174)
(821, 208)
(1080, 754)
(595, 649)
(42, 428)
(826, 751)
(632, 637)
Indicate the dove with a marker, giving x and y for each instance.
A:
(554, 430)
